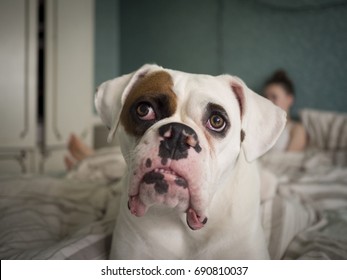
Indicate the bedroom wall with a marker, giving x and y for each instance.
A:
(176, 34)
(250, 39)
(107, 44)
(309, 43)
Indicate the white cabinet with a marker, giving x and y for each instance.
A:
(68, 82)
(18, 65)
(18, 61)
(69, 70)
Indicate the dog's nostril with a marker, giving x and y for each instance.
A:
(168, 133)
(191, 141)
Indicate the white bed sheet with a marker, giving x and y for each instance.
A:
(304, 209)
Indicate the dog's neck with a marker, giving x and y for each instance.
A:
(236, 202)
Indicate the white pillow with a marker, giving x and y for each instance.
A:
(326, 130)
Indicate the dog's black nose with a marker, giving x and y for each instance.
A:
(177, 139)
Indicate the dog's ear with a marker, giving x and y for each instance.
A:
(261, 121)
(111, 95)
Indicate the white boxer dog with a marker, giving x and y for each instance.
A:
(191, 190)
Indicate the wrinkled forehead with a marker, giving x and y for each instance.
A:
(205, 88)
(180, 87)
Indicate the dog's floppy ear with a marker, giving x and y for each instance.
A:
(261, 121)
(111, 95)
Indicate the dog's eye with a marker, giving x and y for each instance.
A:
(145, 111)
(216, 123)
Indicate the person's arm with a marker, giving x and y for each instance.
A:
(298, 139)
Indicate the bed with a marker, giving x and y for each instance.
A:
(304, 202)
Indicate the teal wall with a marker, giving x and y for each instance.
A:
(107, 45)
(251, 39)
(176, 34)
(310, 44)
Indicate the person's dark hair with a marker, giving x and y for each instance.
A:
(280, 77)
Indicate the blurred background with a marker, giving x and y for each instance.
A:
(53, 53)
(251, 39)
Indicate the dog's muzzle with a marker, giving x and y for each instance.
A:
(168, 183)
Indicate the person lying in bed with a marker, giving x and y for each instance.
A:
(280, 90)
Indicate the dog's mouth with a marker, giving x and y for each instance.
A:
(164, 186)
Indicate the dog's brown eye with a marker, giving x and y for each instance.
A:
(145, 111)
(216, 123)
(142, 109)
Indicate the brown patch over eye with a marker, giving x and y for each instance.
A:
(151, 91)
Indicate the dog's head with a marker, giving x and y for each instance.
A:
(181, 134)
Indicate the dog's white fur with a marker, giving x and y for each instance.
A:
(224, 175)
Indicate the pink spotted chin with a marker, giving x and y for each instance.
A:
(164, 187)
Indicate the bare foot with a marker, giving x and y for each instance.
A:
(78, 151)
(69, 163)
